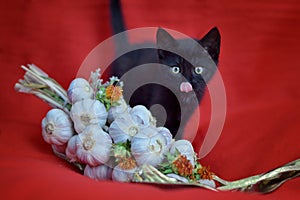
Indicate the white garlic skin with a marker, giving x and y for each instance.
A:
(123, 128)
(207, 182)
(141, 115)
(117, 110)
(59, 148)
(178, 178)
(72, 149)
(101, 172)
(167, 134)
(93, 146)
(88, 112)
(149, 147)
(185, 148)
(57, 127)
(80, 89)
(123, 175)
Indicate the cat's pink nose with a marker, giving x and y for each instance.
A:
(186, 87)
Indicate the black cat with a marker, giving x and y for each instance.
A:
(186, 82)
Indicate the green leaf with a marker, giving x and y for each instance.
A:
(177, 152)
(197, 176)
(126, 145)
(167, 171)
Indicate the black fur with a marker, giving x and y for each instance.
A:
(151, 94)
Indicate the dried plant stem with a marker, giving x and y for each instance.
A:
(38, 83)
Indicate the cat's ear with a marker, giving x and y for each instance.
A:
(164, 41)
(211, 43)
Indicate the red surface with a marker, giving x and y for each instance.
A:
(259, 63)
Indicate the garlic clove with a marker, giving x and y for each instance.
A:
(123, 175)
(88, 112)
(167, 134)
(123, 128)
(117, 110)
(101, 172)
(150, 131)
(141, 115)
(59, 148)
(71, 149)
(149, 148)
(80, 89)
(93, 146)
(185, 148)
(57, 127)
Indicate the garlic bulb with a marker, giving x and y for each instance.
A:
(88, 112)
(59, 148)
(93, 146)
(123, 128)
(123, 175)
(80, 89)
(167, 134)
(141, 115)
(57, 127)
(101, 172)
(72, 149)
(185, 148)
(149, 147)
(117, 110)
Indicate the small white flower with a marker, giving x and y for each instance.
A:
(57, 127)
(93, 146)
(80, 89)
(113, 79)
(94, 79)
(88, 112)
(101, 172)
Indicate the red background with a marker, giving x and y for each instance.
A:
(259, 63)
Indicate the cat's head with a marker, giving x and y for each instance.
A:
(196, 65)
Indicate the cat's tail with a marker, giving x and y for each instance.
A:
(117, 19)
(118, 25)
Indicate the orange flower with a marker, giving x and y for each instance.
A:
(183, 166)
(205, 173)
(113, 93)
(127, 163)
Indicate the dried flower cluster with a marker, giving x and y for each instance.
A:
(114, 93)
(205, 173)
(183, 166)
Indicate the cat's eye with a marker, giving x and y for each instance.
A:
(175, 70)
(199, 70)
